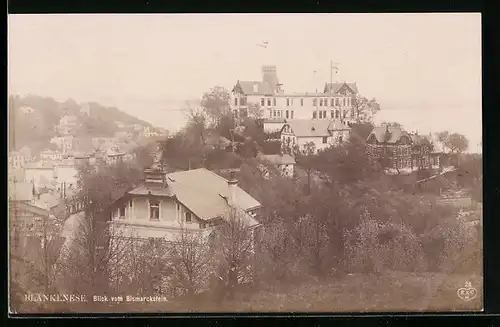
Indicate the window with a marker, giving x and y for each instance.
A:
(320, 114)
(352, 113)
(203, 225)
(315, 102)
(291, 114)
(340, 139)
(337, 113)
(325, 139)
(262, 102)
(331, 102)
(287, 101)
(268, 102)
(301, 102)
(274, 102)
(235, 101)
(287, 114)
(320, 102)
(332, 113)
(314, 114)
(336, 101)
(324, 114)
(243, 101)
(188, 216)
(122, 212)
(326, 102)
(154, 210)
(274, 113)
(344, 102)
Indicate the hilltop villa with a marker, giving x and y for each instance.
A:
(335, 102)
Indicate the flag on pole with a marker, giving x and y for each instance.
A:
(263, 44)
(335, 67)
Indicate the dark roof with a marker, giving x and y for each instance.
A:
(395, 133)
(335, 87)
(247, 87)
(315, 127)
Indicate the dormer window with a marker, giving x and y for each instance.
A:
(313, 129)
(255, 88)
(188, 217)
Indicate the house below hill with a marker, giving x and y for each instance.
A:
(321, 133)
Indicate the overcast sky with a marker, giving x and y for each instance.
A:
(427, 63)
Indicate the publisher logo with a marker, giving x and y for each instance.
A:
(467, 293)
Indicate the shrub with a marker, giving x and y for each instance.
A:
(453, 246)
(373, 247)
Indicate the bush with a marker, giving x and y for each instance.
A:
(453, 246)
(373, 247)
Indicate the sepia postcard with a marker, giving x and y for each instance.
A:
(245, 163)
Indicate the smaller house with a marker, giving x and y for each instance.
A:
(41, 174)
(321, 133)
(285, 163)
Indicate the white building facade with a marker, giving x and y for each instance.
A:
(335, 102)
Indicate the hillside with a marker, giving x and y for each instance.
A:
(33, 120)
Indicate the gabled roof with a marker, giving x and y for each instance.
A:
(277, 159)
(315, 127)
(335, 87)
(395, 133)
(247, 87)
(200, 191)
(20, 191)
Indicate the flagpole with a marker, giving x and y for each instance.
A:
(331, 77)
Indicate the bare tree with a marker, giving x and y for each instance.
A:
(92, 248)
(306, 158)
(364, 108)
(234, 248)
(255, 111)
(190, 262)
(216, 103)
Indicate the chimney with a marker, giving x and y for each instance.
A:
(155, 177)
(232, 185)
(270, 76)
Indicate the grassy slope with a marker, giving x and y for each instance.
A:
(391, 292)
